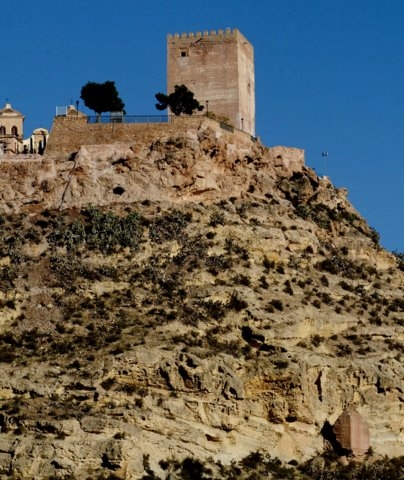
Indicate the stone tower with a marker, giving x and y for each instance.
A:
(218, 67)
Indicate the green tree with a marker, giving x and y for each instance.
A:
(180, 101)
(102, 97)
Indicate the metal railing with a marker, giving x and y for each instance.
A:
(226, 126)
(104, 119)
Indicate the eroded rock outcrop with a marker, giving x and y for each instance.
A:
(241, 304)
(352, 432)
(200, 164)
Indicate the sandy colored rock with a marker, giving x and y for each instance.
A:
(253, 308)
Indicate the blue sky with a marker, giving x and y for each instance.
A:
(329, 76)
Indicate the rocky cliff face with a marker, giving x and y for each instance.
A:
(196, 294)
(201, 163)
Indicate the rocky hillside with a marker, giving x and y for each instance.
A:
(195, 295)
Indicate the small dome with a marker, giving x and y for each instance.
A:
(40, 131)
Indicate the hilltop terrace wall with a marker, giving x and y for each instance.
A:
(69, 134)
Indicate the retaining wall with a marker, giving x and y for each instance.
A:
(69, 134)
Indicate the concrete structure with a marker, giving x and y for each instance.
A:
(218, 67)
(11, 130)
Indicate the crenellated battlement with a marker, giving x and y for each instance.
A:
(206, 33)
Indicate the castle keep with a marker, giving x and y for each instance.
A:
(218, 67)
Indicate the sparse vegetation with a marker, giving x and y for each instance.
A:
(86, 294)
(169, 227)
(275, 304)
(98, 230)
(216, 218)
(260, 465)
(400, 260)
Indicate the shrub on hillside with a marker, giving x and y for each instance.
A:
(217, 218)
(400, 260)
(169, 227)
(98, 230)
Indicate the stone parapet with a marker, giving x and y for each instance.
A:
(69, 134)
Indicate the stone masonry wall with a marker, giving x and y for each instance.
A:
(218, 67)
(69, 134)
